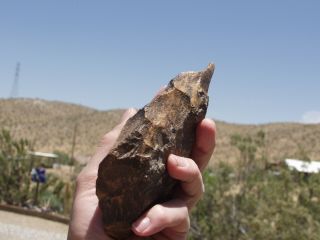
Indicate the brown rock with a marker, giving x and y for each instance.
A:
(133, 176)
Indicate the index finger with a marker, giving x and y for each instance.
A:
(205, 143)
(109, 139)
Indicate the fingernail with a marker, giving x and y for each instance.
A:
(142, 225)
(180, 162)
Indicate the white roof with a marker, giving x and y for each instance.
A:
(43, 154)
(303, 166)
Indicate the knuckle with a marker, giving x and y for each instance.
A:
(86, 178)
(159, 212)
(185, 217)
(188, 222)
(185, 211)
(80, 178)
(203, 187)
(194, 171)
(108, 138)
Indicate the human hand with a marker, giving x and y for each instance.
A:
(169, 220)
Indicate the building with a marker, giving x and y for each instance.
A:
(303, 166)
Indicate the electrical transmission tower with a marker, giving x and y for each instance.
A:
(15, 86)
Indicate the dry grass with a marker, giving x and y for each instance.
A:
(284, 140)
(50, 126)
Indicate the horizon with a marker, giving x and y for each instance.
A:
(123, 109)
(113, 56)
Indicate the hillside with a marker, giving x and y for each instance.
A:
(50, 126)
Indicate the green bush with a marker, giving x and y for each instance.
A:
(251, 201)
(15, 168)
(16, 187)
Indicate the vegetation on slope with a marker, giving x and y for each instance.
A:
(254, 200)
(16, 187)
(247, 195)
(50, 126)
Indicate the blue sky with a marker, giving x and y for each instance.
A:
(117, 54)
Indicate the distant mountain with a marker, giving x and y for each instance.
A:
(50, 125)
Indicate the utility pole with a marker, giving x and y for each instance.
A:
(15, 86)
(74, 142)
(74, 137)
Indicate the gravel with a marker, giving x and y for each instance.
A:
(17, 227)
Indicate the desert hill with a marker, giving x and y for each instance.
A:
(50, 126)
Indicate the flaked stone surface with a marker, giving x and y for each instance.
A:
(133, 176)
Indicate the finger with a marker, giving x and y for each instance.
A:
(87, 177)
(126, 115)
(114, 133)
(187, 172)
(173, 214)
(205, 143)
(109, 139)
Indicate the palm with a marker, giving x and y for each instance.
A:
(88, 215)
(169, 220)
(91, 226)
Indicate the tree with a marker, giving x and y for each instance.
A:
(15, 168)
(249, 201)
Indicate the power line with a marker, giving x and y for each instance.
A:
(15, 86)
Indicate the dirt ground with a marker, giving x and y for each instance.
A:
(19, 227)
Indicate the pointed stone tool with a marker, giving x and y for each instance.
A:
(133, 176)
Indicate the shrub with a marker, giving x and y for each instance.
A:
(250, 201)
